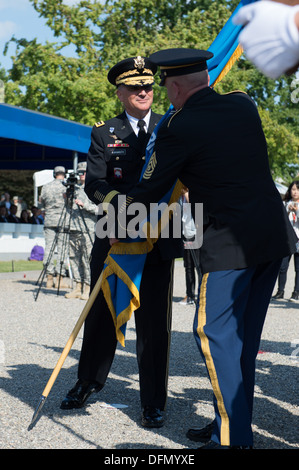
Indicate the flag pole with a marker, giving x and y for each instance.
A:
(66, 350)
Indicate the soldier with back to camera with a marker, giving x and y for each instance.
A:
(216, 146)
(52, 199)
(81, 236)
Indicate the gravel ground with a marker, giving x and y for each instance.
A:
(34, 333)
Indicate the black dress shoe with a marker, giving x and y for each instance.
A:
(214, 445)
(279, 295)
(78, 395)
(152, 417)
(201, 434)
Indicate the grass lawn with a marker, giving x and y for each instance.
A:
(20, 265)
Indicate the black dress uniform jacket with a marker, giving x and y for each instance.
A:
(115, 161)
(216, 146)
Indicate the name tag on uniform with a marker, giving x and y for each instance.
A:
(119, 152)
(118, 173)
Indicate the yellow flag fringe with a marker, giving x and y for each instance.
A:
(236, 55)
(125, 315)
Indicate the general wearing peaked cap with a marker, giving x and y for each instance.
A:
(134, 71)
(180, 61)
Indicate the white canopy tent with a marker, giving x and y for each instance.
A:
(40, 178)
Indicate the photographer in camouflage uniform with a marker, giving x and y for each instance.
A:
(53, 201)
(82, 229)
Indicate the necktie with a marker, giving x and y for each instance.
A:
(141, 133)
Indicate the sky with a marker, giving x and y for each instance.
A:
(19, 18)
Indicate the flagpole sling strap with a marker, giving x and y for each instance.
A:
(67, 348)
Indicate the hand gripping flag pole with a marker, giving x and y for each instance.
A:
(66, 350)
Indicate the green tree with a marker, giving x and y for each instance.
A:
(18, 183)
(283, 147)
(101, 33)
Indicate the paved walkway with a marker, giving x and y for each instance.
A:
(33, 334)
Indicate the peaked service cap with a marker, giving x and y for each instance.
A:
(134, 71)
(180, 61)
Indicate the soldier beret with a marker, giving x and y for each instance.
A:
(135, 71)
(180, 61)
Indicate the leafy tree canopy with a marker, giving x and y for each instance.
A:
(76, 88)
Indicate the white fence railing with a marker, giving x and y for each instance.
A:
(17, 240)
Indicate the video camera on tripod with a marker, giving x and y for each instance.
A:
(72, 178)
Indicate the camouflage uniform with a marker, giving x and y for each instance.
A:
(53, 202)
(81, 235)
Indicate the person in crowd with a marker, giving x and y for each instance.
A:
(270, 37)
(7, 202)
(82, 213)
(24, 217)
(241, 253)
(52, 199)
(191, 252)
(115, 160)
(291, 200)
(17, 203)
(35, 218)
(41, 216)
(3, 213)
(12, 217)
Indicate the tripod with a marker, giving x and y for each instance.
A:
(63, 227)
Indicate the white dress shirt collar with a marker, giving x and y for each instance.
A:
(134, 121)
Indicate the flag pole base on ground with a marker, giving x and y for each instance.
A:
(66, 350)
(37, 411)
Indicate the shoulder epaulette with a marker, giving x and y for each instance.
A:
(172, 116)
(99, 123)
(235, 91)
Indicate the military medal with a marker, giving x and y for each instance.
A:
(118, 145)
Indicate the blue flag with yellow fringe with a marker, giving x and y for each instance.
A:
(124, 264)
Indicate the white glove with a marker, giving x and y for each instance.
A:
(270, 38)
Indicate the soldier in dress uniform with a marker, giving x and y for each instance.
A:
(216, 146)
(52, 199)
(81, 237)
(115, 160)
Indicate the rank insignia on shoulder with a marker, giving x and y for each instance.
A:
(235, 91)
(99, 123)
(172, 115)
